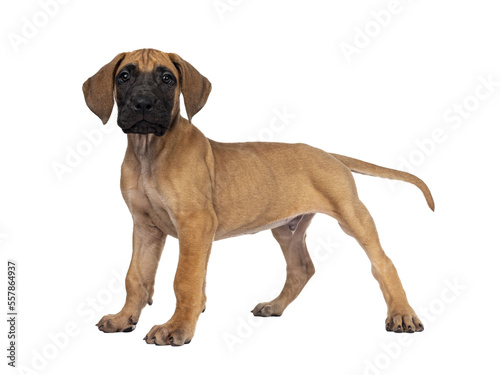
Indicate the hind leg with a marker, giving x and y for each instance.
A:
(356, 221)
(299, 266)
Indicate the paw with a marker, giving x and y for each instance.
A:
(403, 322)
(267, 309)
(121, 322)
(170, 333)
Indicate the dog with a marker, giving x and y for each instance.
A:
(179, 183)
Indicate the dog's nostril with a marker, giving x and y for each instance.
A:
(143, 104)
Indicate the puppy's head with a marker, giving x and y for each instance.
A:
(146, 85)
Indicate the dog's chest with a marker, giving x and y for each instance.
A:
(148, 206)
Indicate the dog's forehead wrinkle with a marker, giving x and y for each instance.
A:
(145, 57)
(149, 59)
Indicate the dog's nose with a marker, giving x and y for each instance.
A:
(143, 104)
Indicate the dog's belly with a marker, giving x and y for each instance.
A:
(260, 228)
(292, 223)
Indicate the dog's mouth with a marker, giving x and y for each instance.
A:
(145, 127)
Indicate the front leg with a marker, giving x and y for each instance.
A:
(148, 243)
(196, 233)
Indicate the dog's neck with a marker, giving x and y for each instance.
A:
(144, 146)
(147, 147)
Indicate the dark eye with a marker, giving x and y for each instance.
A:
(167, 78)
(123, 77)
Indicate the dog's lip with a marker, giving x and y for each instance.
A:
(142, 121)
(154, 128)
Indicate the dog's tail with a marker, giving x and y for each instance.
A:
(369, 169)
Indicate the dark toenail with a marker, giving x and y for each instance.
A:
(129, 329)
(145, 337)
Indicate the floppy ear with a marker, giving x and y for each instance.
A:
(98, 89)
(194, 87)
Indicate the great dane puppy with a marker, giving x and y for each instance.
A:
(177, 182)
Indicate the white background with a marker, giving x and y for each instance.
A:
(71, 236)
